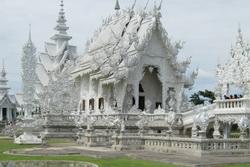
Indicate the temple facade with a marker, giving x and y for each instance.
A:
(131, 66)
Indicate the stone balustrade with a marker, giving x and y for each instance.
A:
(197, 144)
(198, 147)
(232, 103)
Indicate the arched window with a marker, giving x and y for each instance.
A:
(92, 104)
(101, 103)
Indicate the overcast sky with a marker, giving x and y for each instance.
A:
(208, 27)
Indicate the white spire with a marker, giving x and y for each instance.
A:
(29, 38)
(240, 36)
(3, 72)
(117, 5)
(61, 27)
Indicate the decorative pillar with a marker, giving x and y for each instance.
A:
(164, 95)
(96, 105)
(8, 114)
(194, 131)
(1, 114)
(136, 93)
(226, 131)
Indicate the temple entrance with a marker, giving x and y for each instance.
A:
(150, 90)
(4, 114)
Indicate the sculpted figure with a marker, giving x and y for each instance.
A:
(171, 101)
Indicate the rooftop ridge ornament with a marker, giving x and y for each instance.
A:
(117, 5)
(159, 8)
(133, 6)
(146, 5)
(156, 10)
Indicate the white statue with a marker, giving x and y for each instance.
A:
(171, 101)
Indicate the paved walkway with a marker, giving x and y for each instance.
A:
(98, 152)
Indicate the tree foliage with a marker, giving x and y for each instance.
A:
(202, 96)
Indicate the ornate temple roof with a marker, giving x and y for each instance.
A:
(122, 39)
(56, 54)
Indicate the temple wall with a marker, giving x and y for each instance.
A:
(84, 86)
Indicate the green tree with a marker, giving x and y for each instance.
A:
(201, 96)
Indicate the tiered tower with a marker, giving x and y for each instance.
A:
(29, 77)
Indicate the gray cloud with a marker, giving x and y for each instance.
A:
(208, 27)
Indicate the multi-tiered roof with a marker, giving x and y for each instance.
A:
(118, 45)
(53, 60)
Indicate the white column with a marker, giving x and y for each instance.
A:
(164, 95)
(96, 105)
(8, 114)
(1, 114)
(136, 93)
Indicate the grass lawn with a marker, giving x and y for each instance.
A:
(6, 144)
(240, 165)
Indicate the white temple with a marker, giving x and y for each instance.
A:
(130, 90)
(8, 103)
(131, 64)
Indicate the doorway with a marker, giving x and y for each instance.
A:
(4, 114)
(142, 103)
(150, 90)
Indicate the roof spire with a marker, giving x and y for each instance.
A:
(3, 72)
(30, 41)
(61, 27)
(117, 5)
(159, 8)
(240, 36)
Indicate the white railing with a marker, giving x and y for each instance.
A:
(184, 145)
(232, 103)
(197, 144)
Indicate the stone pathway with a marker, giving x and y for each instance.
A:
(98, 152)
